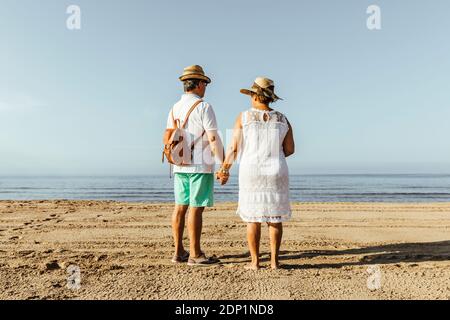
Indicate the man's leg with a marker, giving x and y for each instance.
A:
(253, 238)
(178, 221)
(181, 190)
(201, 196)
(195, 220)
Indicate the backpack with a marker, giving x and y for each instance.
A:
(176, 150)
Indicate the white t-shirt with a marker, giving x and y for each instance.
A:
(201, 119)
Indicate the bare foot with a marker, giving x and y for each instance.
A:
(275, 266)
(251, 266)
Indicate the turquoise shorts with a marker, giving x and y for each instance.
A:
(194, 189)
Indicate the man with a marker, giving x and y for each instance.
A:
(194, 183)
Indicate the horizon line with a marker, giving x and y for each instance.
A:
(163, 175)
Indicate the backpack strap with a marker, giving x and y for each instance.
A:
(175, 123)
(190, 111)
(186, 119)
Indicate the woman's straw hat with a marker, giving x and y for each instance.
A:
(194, 72)
(262, 86)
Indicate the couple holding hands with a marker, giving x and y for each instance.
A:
(262, 139)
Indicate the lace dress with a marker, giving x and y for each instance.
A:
(263, 171)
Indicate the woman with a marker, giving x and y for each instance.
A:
(263, 138)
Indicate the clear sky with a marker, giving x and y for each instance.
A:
(95, 100)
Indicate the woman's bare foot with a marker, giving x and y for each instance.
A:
(275, 266)
(251, 266)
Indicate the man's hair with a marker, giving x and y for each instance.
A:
(191, 84)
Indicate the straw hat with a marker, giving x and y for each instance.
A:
(262, 86)
(194, 72)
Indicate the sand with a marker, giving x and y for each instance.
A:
(123, 251)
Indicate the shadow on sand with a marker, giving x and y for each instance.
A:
(382, 254)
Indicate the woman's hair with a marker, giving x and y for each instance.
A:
(262, 98)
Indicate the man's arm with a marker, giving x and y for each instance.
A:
(216, 145)
(233, 152)
(210, 127)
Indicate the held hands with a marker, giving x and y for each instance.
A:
(222, 175)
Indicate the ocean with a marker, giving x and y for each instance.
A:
(158, 188)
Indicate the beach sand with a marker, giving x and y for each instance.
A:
(123, 250)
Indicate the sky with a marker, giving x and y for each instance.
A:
(94, 101)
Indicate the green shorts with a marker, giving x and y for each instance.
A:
(194, 189)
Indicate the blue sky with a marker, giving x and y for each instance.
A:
(95, 100)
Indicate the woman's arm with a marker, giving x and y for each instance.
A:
(232, 152)
(288, 143)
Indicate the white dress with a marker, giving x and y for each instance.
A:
(263, 171)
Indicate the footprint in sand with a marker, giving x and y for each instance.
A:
(53, 216)
(52, 265)
(26, 252)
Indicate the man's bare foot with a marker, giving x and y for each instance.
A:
(252, 266)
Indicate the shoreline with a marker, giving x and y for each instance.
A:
(123, 250)
(219, 202)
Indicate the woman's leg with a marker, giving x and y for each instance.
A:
(253, 238)
(276, 233)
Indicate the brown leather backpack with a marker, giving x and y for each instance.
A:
(176, 149)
